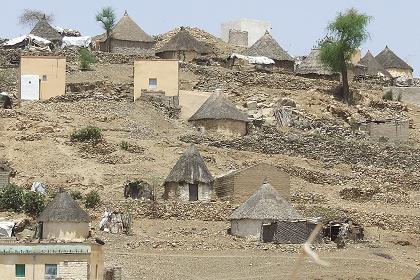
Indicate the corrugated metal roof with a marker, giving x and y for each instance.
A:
(77, 248)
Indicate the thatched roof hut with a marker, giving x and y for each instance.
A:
(371, 66)
(266, 204)
(389, 59)
(127, 30)
(267, 46)
(190, 168)
(218, 107)
(63, 209)
(44, 30)
(184, 41)
(312, 66)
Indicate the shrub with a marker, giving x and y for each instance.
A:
(92, 199)
(76, 195)
(33, 203)
(124, 145)
(86, 58)
(89, 133)
(11, 198)
(387, 95)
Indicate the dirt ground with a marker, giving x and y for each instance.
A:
(35, 140)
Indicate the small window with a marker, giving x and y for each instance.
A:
(152, 83)
(20, 270)
(44, 78)
(50, 271)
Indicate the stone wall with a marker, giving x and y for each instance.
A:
(238, 38)
(231, 127)
(394, 130)
(73, 270)
(408, 94)
(132, 48)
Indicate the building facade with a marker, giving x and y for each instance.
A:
(42, 77)
(156, 75)
(254, 28)
(65, 261)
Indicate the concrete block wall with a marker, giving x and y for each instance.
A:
(74, 270)
(390, 130)
(238, 38)
(255, 29)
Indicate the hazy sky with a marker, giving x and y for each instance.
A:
(297, 24)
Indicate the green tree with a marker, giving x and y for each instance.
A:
(86, 58)
(346, 33)
(33, 203)
(11, 198)
(106, 16)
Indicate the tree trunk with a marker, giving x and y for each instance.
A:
(347, 94)
(108, 41)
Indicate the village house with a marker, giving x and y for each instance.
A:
(159, 76)
(311, 67)
(65, 261)
(269, 217)
(126, 37)
(396, 130)
(237, 186)
(184, 47)
(4, 175)
(44, 30)
(42, 77)
(267, 46)
(189, 179)
(219, 114)
(63, 219)
(254, 30)
(370, 67)
(394, 65)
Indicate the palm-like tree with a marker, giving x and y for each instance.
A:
(107, 17)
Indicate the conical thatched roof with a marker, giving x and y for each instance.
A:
(312, 65)
(267, 46)
(190, 168)
(184, 41)
(44, 30)
(218, 107)
(390, 60)
(373, 66)
(266, 204)
(63, 208)
(126, 29)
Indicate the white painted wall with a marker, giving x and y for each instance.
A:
(255, 29)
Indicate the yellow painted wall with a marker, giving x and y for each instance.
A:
(35, 264)
(165, 71)
(75, 232)
(53, 67)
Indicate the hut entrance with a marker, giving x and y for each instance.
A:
(268, 232)
(193, 192)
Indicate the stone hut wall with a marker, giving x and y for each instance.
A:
(232, 127)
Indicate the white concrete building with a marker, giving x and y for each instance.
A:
(255, 28)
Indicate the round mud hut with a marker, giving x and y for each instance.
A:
(64, 219)
(189, 179)
(268, 217)
(219, 114)
(184, 47)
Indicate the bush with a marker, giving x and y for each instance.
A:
(86, 58)
(92, 199)
(76, 195)
(11, 198)
(124, 145)
(387, 95)
(33, 203)
(89, 133)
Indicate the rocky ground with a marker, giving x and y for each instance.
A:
(335, 172)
